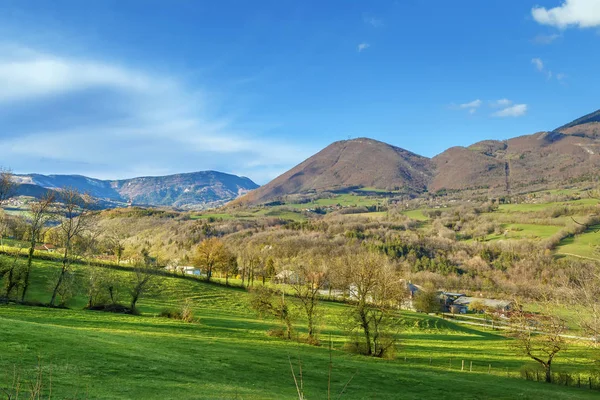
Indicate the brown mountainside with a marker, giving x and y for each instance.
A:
(544, 159)
(566, 155)
(357, 163)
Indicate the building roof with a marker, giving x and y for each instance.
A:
(492, 303)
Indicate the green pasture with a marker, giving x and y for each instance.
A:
(226, 353)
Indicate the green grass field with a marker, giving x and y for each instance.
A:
(525, 231)
(341, 199)
(227, 354)
(583, 245)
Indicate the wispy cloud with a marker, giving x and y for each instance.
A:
(541, 67)
(500, 103)
(470, 105)
(374, 22)
(517, 110)
(153, 123)
(546, 39)
(539, 64)
(363, 46)
(581, 13)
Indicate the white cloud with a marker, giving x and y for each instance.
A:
(546, 39)
(25, 74)
(516, 110)
(374, 22)
(473, 104)
(501, 103)
(539, 64)
(363, 46)
(581, 13)
(157, 126)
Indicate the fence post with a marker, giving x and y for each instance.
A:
(462, 367)
(471, 367)
(490, 369)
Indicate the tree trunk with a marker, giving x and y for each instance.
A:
(27, 271)
(548, 373)
(60, 279)
(365, 325)
(227, 278)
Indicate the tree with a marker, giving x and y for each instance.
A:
(312, 276)
(76, 220)
(427, 301)
(375, 291)
(40, 213)
(7, 184)
(146, 278)
(266, 302)
(12, 270)
(210, 255)
(539, 337)
(116, 244)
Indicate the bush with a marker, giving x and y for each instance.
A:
(185, 313)
(113, 308)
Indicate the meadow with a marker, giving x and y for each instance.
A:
(227, 354)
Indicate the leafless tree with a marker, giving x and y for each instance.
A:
(40, 213)
(539, 337)
(311, 277)
(146, 278)
(267, 302)
(7, 184)
(375, 292)
(76, 220)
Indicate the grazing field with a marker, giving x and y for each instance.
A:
(583, 245)
(342, 200)
(525, 231)
(226, 353)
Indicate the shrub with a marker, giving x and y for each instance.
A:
(185, 313)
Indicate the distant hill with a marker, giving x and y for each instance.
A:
(548, 159)
(566, 155)
(350, 164)
(191, 190)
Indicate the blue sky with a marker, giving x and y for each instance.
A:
(116, 89)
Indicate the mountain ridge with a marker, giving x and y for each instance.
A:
(184, 190)
(500, 167)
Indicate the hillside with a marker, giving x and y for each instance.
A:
(350, 164)
(539, 161)
(191, 190)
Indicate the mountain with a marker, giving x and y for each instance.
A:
(565, 155)
(350, 164)
(191, 190)
(547, 159)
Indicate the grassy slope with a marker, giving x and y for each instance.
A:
(582, 245)
(228, 355)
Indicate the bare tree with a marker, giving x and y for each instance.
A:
(76, 220)
(7, 184)
(539, 337)
(40, 213)
(116, 242)
(266, 302)
(146, 278)
(12, 271)
(311, 277)
(375, 292)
